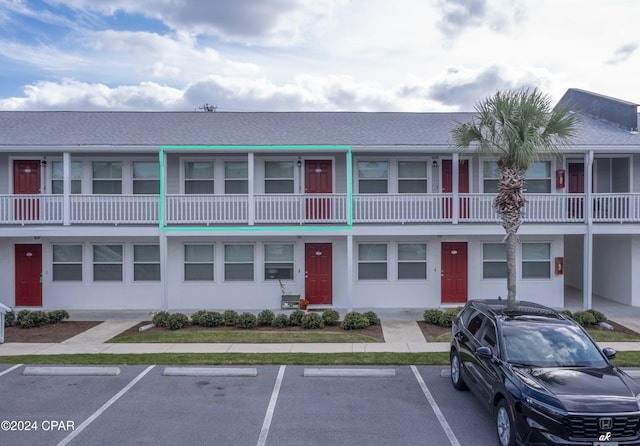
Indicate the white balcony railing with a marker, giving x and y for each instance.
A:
(30, 209)
(261, 209)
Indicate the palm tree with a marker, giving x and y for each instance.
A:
(515, 125)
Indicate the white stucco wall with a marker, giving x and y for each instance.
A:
(612, 267)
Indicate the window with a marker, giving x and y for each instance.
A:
(372, 261)
(198, 262)
(475, 323)
(372, 177)
(494, 261)
(538, 177)
(198, 178)
(278, 177)
(236, 174)
(238, 263)
(490, 177)
(536, 261)
(107, 263)
(57, 175)
(412, 261)
(278, 262)
(146, 263)
(107, 178)
(412, 177)
(67, 263)
(146, 177)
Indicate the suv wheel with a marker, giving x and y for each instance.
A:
(456, 371)
(504, 424)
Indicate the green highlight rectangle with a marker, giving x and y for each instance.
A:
(338, 148)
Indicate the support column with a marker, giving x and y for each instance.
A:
(588, 237)
(251, 214)
(350, 277)
(164, 269)
(66, 188)
(455, 174)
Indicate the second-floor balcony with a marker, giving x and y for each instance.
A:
(306, 209)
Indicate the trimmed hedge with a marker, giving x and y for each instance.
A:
(355, 321)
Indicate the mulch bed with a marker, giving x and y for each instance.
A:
(374, 331)
(48, 333)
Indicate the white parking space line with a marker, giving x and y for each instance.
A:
(436, 409)
(262, 440)
(104, 407)
(9, 370)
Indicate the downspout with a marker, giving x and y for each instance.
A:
(455, 173)
(164, 243)
(588, 237)
(250, 188)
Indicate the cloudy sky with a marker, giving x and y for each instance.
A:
(321, 55)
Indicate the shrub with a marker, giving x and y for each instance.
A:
(265, 317)
(177, 321)
(195, 317)
(34, 319)
(355, 321)
(161, 319)
(584, 318)
(21, 315)
(56, 316)
(432, 316)
(230, 318)
(211, 319)
(567, 313)
(247, 320)
(296, 317)
(9, 318)
(600, 317)
(312, 320)
(281, 320)
(330, 317)
(373, 318)
(446, 318)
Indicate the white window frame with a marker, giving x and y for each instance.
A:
(235, 180)
(292, 179)
(146, 262)
(106, 180)
(412, 261)
(54, 263)
(74, 180)
(399, 179)
(185, 179)
(252, 263)
(193, 262)
(121, 262)
(370, 262)
(370, 160)
(268, 262)
(494, 261)
(135, 180)
(523, 261)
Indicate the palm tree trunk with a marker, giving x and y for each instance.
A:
(509, 204)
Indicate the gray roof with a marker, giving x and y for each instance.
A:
(78, 128)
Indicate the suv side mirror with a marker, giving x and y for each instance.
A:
(484, 352)
(609, 352)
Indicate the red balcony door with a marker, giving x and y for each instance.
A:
(318, 180)
(28, 262)
(453, 272)
(576, 186)
(447, 187)
(318, 273)
(26, 181)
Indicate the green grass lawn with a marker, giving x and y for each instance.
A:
(247, 337)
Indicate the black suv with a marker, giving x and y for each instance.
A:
(544, 378)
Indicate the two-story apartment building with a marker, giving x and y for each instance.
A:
(196, 210)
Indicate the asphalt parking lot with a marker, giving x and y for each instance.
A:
(264, 405)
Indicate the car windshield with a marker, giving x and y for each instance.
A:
(548, 344)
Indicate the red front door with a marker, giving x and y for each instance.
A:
(26, 181)
(463, 187)
(454, 272)
(317, 180)
(576, 186)
(317, 277)
(28, 275)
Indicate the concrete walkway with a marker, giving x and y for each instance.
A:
(401, 332)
